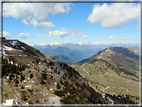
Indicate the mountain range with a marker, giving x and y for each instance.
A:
(31, 77)
(77, 51)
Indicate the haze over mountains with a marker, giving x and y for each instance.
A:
(77, 51)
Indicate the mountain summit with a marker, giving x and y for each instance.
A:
(112, 70)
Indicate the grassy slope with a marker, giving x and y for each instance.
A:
(103, 79)
(64, 59)
(102, 76)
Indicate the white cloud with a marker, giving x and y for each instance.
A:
(24, 35)
(63, 33)
(35, 14)
(111, 37)
(114, 15)
(137, 27)
(123, 38)
(7, 35)
(85, 36)
(41, 35)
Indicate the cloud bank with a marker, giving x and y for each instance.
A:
(85, 36)
(7, 35)
(63, 33)
(111, 37)
(114, 15)
(35, 14)
(24, 35)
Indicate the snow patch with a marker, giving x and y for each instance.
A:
(24, 81)
(14, 43)
(10, 48)
(28, 86)
(9, 102)
(23, 47)
(51, 89)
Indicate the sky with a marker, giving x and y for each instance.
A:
(42, 23)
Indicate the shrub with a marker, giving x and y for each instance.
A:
(61, 82)
(58, 85)
(51, 67)
(24, 98)
(31, 75)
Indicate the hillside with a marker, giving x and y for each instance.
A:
(73, 54)
(113, 70)
(121, 59)
(31, 77)
(63, 59)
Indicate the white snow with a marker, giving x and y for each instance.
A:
(55, 83)
(16, 64)
(7, 77)
(47, 61)
(4, 53)
(24, 81)
(23, 47)
(10, 48)
(32, 81)
(103, 95)
(28, 86)
(51, 89)
(28, 64)
(9, 102)
(119, 97)
(124, 97)
(11, 62)
(56, 100)
(7, 48)
(13, 42)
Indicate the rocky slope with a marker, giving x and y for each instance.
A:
(32, 77)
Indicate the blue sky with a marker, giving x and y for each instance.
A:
(72, 22)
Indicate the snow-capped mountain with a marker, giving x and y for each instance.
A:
(82, 49)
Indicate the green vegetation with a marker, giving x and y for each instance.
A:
(31, 75)
(21, 76)
(10, 68)
(104, 75)
(58, 86)
(64, 59)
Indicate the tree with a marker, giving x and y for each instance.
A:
(61, 82)
(51, 67)
(31, 75)
(22, 77)
(10, 76)
(24, 98)
(16, 82)
(22, 87)
(58, 85)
